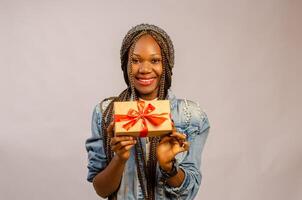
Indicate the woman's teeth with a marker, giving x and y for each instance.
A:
(145, 81)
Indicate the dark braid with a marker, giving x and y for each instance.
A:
(106, 120)
(146, 171)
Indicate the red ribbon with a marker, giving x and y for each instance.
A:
(142, 113)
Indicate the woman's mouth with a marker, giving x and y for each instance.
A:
(145, 81)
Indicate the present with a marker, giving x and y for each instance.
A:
(142, 118)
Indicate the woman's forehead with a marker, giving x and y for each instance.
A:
(146, 44)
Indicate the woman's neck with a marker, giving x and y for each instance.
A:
(148, 99)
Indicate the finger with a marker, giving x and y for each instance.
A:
(125, 149)
(117, 139)
(183, 148)
(165, 139)
(180, 136)
(183, 144)
(128, 147)
(122, 144)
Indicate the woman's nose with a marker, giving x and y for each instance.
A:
(145, 68)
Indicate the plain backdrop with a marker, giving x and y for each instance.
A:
(240, 59)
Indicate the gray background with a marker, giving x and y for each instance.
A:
(240, 59)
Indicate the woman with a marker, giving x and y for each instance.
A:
(125, 167)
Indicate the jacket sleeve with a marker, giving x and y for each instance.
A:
(94, 146)
(191, 163)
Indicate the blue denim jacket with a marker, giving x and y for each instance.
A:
(189, 119)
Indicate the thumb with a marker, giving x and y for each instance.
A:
(182, 148)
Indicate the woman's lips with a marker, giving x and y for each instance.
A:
(145, 81)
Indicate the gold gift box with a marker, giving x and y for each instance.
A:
(142, 118)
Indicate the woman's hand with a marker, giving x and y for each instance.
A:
(169, 147)
(121, 145)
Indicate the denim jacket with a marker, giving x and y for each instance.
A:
(189, 119)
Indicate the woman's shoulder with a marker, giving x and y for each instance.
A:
(185, 104)
(192, 114)
(101, 106)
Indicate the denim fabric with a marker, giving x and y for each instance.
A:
(189, 119)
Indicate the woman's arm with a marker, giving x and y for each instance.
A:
(190, 163)
(106, 178)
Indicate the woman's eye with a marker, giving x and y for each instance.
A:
(134, 60)
(155, 61)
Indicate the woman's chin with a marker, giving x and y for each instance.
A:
(146, 92)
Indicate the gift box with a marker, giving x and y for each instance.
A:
(142, 118)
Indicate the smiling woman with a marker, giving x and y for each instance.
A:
(167, 167)
(147, 67)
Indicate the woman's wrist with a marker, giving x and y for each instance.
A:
(120, 160)
(171, 170)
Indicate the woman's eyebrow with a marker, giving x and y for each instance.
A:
(152, 55)
(155, 54)
(136, 55)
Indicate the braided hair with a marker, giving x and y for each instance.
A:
(146, 171)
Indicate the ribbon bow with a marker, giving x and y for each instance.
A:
(141, 113)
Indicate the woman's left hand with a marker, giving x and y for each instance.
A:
(169, 147)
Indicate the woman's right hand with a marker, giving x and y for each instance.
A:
(121, 145)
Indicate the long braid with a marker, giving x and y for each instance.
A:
(106, 120)
(146, 171)
(139, 152)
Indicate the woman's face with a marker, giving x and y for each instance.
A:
(147, 67)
